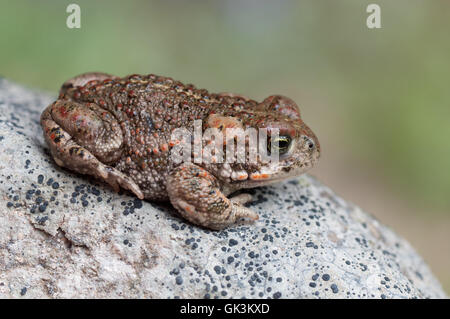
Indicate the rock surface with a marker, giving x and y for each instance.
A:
(68, 236)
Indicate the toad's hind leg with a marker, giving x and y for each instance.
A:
(86, 139)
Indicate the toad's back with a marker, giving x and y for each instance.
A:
(148, 108)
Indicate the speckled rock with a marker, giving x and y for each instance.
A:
(63, 236)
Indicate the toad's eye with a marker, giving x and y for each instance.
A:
(281, 143)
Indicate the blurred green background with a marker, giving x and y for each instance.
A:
(377, 98)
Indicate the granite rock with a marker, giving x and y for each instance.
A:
(64, 235)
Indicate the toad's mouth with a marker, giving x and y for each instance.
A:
(253, 183)
(262, 179)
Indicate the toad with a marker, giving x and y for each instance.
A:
(120, 130)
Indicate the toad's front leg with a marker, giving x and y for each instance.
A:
(196, 195)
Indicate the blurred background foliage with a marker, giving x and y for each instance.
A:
(378, 99)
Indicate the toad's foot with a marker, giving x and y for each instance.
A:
(195, 194)
(117, 179)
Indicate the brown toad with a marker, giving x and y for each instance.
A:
(120, 131)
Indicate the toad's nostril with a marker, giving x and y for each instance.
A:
(311, 144)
